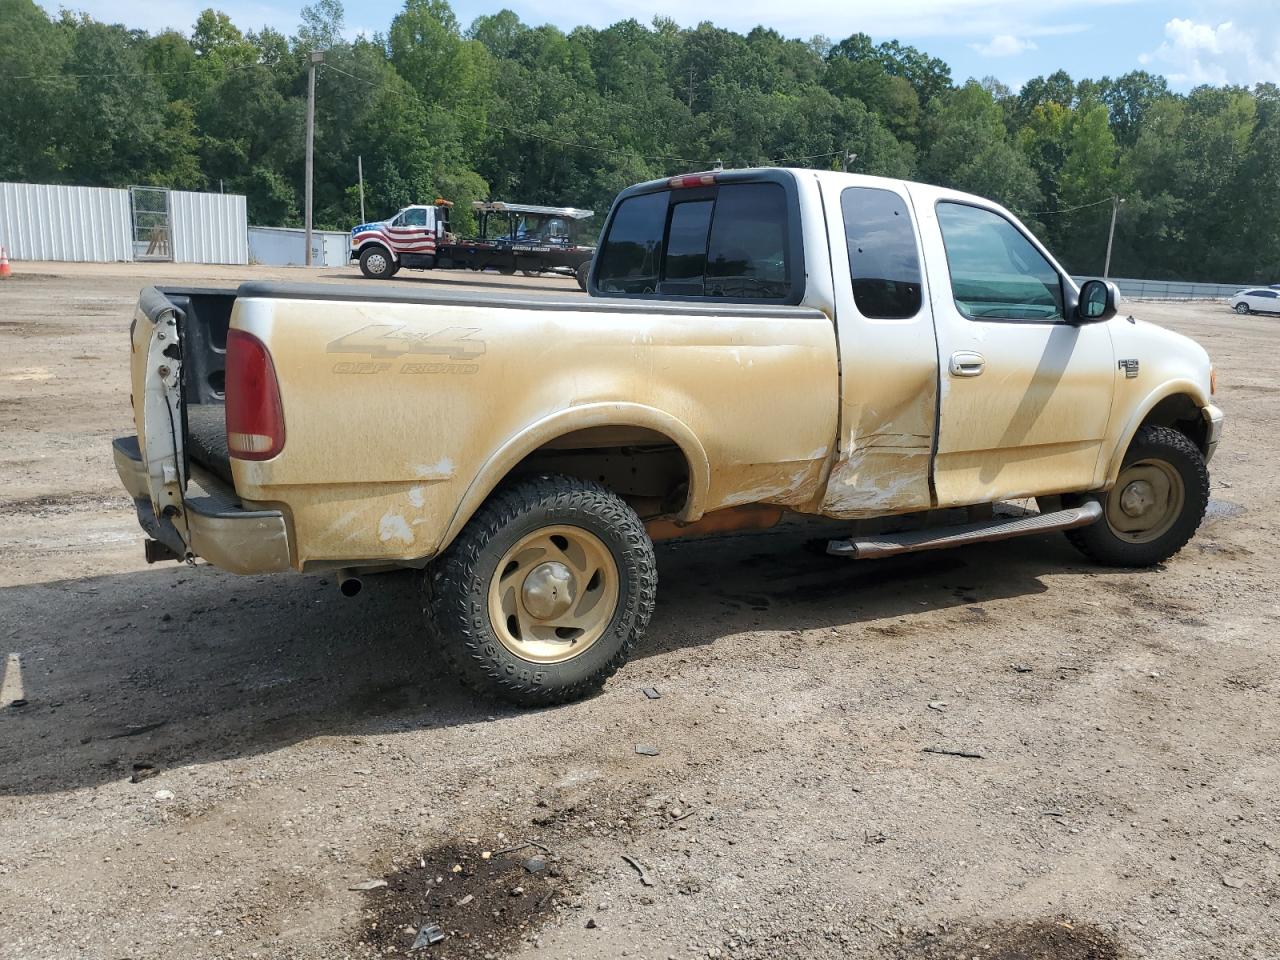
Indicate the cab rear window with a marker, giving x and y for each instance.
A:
(726, 242)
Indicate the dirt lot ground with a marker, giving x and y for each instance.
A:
(291, 744)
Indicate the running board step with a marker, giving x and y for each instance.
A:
(1002, 528)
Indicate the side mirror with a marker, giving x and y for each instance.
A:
(1099, 301)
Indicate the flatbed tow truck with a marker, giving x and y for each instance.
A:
(513, 236)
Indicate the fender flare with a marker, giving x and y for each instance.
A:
(381, 242)
(1167, 389)
(604, 414)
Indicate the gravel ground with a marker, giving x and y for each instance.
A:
(290, 745)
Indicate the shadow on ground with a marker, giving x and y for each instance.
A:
(178, 665)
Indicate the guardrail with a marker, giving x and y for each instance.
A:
(1174, 289)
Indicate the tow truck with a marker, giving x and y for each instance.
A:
(513, 236)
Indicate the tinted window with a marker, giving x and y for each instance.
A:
(996, 272)
(686, 261)
(1266, 293)
(747, 249)
(883, 259)
(629, 260)
(729, 241)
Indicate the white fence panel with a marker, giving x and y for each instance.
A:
(209, 227)
(286, 247)
(45, 222)
(1174, 289)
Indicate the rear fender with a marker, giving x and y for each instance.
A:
(541, 432)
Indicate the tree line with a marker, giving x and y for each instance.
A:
(504, 110)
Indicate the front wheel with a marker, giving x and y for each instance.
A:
(1156, 505)
(545, 592)
(582, 274)
(1242, 308)
(376, 264)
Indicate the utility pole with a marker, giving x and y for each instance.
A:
(848, 158)
(317, 56)
(360, 173)
(1115, 206)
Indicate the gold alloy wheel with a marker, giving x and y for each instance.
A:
(1146, 501)
(553, 594)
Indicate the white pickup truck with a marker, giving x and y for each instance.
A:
(756, 343)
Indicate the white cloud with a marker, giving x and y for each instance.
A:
(1200, 52)
(1003, 45)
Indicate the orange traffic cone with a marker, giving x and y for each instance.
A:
(6, 271)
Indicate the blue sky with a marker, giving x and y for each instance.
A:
(1189, 41)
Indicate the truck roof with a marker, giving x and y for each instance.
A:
(498, 206)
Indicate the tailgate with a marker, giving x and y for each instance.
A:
(156, 373)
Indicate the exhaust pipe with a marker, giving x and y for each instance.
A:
(348, 583)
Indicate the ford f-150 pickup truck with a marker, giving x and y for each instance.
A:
(899, 357)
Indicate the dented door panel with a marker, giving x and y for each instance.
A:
(888, 398)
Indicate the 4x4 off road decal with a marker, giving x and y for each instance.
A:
(391, 340)
(387, 342)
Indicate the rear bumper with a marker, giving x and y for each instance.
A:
(1212, 430)
(217, 527)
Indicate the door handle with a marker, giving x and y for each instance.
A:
(966, 363)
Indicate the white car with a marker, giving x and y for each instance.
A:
(1256, 300)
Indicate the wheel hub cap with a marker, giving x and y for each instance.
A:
(553, 594)
(1138, 498)
(377, 263)
(549, 590)
(1146, 501)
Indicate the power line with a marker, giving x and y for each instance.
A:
(515, 131)
(1042, 213)
(144, 73)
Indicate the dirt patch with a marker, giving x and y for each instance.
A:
(481, 901)
(1058, 939)
(63, 503)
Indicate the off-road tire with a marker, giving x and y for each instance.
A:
(583, 273)
(375, 250)
(456, 590)
(1100, 543)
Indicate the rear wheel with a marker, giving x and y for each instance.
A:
(545, 592)
(376, 263)
(1242, 308)
(1155, 506)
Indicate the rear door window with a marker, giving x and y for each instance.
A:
(883, 259)
(729, 242)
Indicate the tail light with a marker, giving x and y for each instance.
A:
(255, 417)
(691, 180)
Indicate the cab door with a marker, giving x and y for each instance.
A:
(413, 232)
(1025, 395)
(888, 353)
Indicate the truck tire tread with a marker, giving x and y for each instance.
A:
(1100, 545)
